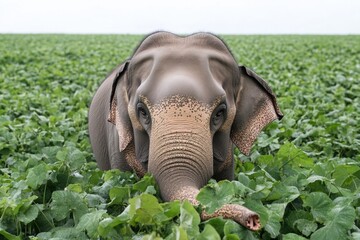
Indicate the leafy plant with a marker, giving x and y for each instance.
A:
(302, 176)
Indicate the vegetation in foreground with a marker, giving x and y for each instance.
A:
(302, 176)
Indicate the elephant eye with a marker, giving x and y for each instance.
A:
(143, 113)
(219, 115)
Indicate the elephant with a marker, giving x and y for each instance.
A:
(176, 109)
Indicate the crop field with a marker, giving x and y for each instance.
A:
(302, 177)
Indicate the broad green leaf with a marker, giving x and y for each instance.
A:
(90, 222)
(266, 160)
(178, 233)
(271, 165)
(329, 232)
(62, 155)
(305, 226)
(74, 188)
(292, 236)
(66, 202)
(276, 214)
(282, 193)
(76, 158)
(214, 196)
(314, 178)
(119, 194)
(63, 233)
(209, 233)
(145, 209)
(340, 219)
(171, 209)
(95, 201)
(342, 172)
(107, 226)
(290, 154)
(243, 179)
(217, 223)
(144, 183)
(342, 216)
(56, 137)
(51, 152)
(320, 205)
(29, 215)
(294, 216)
(232, 229)
(73, 157)
(345, 201)
(37, 176)
(189, 219)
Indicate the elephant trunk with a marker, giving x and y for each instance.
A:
(180, 158)
(181, 162)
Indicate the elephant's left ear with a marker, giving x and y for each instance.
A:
(118, 113)
(116, 76)
(255, 108)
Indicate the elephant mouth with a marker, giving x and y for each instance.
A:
(218, 158)
(144, 161)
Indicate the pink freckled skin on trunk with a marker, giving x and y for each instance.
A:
(180, 153)
(236, 212)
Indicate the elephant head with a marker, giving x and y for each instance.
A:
(179, 104)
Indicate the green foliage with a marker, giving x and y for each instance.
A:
(209, 195)
(302, 176)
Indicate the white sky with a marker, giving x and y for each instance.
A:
(186, 16)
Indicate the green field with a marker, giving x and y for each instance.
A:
(302, 177)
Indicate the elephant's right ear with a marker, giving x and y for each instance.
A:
(256, 107)
(118, 114)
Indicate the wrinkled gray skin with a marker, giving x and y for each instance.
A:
(175, 109)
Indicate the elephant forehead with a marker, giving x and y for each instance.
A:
(190, 72)
(165, 38)
(181, 108)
